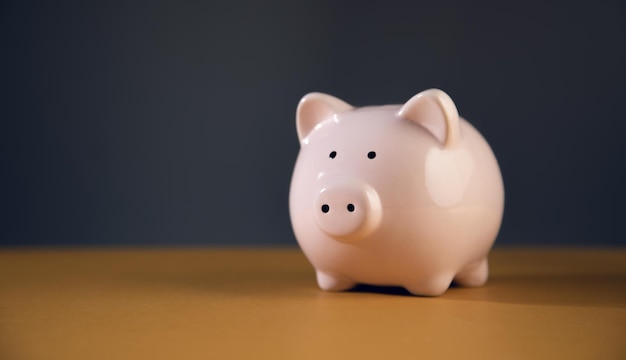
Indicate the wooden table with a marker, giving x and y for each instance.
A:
(264, 303)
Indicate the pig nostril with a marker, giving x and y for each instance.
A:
(350, 207)
(325, 208)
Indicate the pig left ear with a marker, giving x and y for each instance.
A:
(434, 110)
(315, 108)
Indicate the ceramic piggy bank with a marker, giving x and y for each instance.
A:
(398, 195)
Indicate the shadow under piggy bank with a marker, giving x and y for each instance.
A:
(571, 290)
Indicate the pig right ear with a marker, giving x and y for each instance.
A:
(315, 108)
(435, 111)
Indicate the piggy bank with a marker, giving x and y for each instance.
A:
(397, 195)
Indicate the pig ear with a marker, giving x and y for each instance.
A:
(434, 110)
(315, 108)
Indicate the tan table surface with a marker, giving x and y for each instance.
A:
(264, 303)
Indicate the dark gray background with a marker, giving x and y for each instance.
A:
(172, 123)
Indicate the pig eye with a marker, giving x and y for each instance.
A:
(371, 154)
(332, 154)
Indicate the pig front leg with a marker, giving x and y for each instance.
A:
(475, 274)
(333, 282)
(433, 285)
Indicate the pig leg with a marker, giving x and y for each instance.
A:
(475, 274)
(430, 286)
(333, 282)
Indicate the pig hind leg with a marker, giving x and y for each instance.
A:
(475, 274)
(333, 282)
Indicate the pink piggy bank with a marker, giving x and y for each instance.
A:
(398, 195)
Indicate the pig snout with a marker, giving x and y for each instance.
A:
(347, 209)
